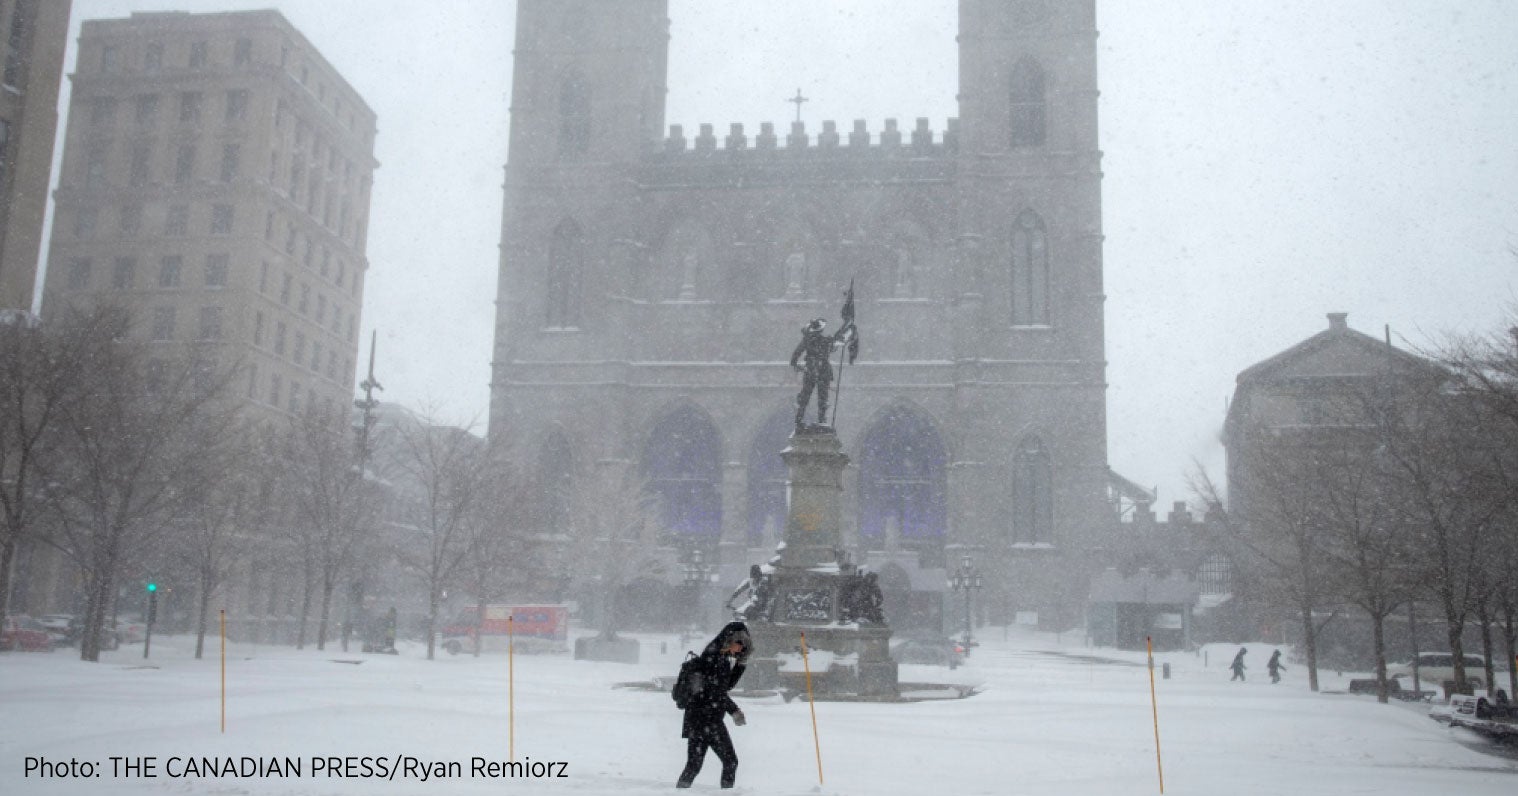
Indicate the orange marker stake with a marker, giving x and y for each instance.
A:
(1155, 706)
(223, 671)
(511, 686)
(807, 666)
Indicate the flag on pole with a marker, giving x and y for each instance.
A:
(848, 323)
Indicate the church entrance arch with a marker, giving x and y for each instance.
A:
(767, 480)
(681, 463)
(903, 485)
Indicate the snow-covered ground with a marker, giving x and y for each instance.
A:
(1054, 718)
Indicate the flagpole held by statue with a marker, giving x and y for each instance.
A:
(812, 359)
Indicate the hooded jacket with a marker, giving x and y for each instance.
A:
(719, 674)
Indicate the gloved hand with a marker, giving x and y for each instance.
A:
(738, 718)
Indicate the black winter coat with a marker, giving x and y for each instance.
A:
(719, 674)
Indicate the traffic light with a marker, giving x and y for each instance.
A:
(152, 587)
(152, 603)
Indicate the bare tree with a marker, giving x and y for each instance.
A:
(612, 516)
(142, 438)
(442, 480)
(498, 546)
(1276, 535)
(40, 370)
(334, 502)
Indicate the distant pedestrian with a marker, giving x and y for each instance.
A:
(1238, 665)
(1275, 667)
(720, 666)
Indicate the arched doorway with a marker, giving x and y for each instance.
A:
(902, 485)
(681, 466)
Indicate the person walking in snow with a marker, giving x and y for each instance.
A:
(1275, 667)
(720, 666)
(1238, 665)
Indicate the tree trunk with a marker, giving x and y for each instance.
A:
(480, 625)
(1486, 648)
(432, 625)
(1511, 647)
(305, 612)
(7, 552)
(200, 623)
(1378, 639)
(321, 633)
(1310, 646)
(1454, 629)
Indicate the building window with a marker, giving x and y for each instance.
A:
(147, 110)
(1028, 106)
(130, 219)
(169, 269)
(252, 379)
(316, 356)
(294, 402)
(284, 290)
(321, 309)
(102, 112)
(94, 169)
(1030, 271)
(124, 273)
(210, 323)
(237, 105)
(231, 155)
(141, 159)
(189, 107)
(1032, 494)
(5, 140)
(108, 59)
(566, 263)
(216, 270)
(177, 221)
(305, 297)
(299, 353)
(15, 49)
(574, 116)
(79, 273)
(85, 219)
(152, 57)
(163, 323)
(263, 277)
(197, 55)
(184, 165)
(221, 219)
(258, 328)
(242, 52)
(275, 383)
(279, 338)
(331, 364)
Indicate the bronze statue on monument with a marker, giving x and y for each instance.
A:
(812, 358)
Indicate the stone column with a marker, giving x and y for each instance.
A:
(816, 461)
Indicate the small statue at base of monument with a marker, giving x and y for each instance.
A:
(861, 600)
(754, 598)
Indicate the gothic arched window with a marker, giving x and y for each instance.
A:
(566, 269)
(1030, 271)
(681, 465)
(1032, 494)
(1028, 104)
(574, 115)
(902, 482)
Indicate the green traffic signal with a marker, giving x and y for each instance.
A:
(152, 587)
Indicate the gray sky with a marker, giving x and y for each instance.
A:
(1266, 162)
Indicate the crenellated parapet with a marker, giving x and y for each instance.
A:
(921, 142)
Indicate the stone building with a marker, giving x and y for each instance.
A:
(36, 32)
(215, 184)
(653, 283)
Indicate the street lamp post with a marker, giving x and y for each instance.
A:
(966, 579)
(695, 572)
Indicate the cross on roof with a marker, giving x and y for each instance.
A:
(798, 99)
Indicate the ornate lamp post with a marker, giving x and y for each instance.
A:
(966, 579)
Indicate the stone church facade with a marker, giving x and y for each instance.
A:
(654, 281)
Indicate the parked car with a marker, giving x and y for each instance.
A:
(25, 634)
(130, 632)
(58, 626)
(1436, 667)
(929, 651)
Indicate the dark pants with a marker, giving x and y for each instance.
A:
(712, 737)
(820, 384)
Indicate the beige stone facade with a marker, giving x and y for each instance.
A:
(36, 32)
(653, 284)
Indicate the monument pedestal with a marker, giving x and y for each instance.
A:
(809, 588)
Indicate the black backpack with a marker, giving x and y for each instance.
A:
(689, 684)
